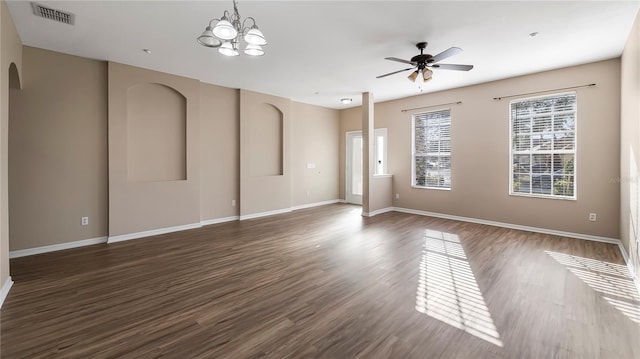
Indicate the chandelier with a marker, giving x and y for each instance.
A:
(229, 31)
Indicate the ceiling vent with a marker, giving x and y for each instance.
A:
(53, 14)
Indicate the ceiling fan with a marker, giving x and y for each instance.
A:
(425, 62)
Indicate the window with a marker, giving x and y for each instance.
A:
(543, 146)
(432, 149)
(380, 151)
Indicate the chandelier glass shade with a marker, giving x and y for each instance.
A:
(229, 31)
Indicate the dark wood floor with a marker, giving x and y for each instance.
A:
(326, 283)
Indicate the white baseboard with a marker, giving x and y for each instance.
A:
(316, 204)
(153, 232)
(264, 214)
(208, 222)
(56, 247)
(5, 290)
(630, 267)
(509, 225)
(377, 212)
(287, 210)
(126, 237)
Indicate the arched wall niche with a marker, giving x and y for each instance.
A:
(156, 130)
(14, 77)
(266, 141)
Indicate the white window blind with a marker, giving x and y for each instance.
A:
(432, 149)
(543, 146)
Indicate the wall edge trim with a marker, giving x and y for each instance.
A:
(152, 232)
(264, 214)
(588, 237)
(56, 247)
(208, 222)
(377, 212)
(315, 204)
(290, 209)
(4, 292)
(630, 267)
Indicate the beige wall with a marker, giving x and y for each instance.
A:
(263, 193)
(156, 134)
(58, 151)
(219, 152)
(382, 196)
(480, 151)
(630, 146)
(314, 139)
(74, 162)
(142, 206)
(10, 52)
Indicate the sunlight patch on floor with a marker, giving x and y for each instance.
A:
(447, 288)
(613, 281)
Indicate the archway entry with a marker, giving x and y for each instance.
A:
(14, 86)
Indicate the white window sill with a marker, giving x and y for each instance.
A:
(542, 196)
(436, 188)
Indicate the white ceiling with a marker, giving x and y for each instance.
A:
(321, 51)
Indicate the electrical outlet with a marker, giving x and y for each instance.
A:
(397, 195)
(233, 203)
(84, 221)
(592, 217)
(308, 193)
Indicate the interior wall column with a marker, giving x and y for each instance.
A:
(367, 151)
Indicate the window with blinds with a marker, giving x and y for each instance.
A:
(431, 161)
(543, 146)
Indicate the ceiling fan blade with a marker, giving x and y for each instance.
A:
(400, 60)
(392, 73)
(452, 67)
(446, 53)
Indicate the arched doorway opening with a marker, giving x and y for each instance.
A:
(15, 86)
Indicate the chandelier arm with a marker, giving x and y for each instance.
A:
(212, 20)
(244, 28)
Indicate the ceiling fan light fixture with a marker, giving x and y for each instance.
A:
(254, 50)
(208, 39)
(413, 76)
(423, 63)
(427, 75)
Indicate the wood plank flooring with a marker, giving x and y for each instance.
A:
(326, 283)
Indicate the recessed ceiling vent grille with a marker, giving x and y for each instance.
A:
(52, 14)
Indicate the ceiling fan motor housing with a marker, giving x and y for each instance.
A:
(423, 59)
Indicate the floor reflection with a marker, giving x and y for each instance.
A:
(447, 288)
(613, 281)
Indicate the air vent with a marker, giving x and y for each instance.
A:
(52, 14)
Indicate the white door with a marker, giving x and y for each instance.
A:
(354, 168)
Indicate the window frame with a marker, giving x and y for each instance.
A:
(380, 132)
(413, 151)
(574, 197)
